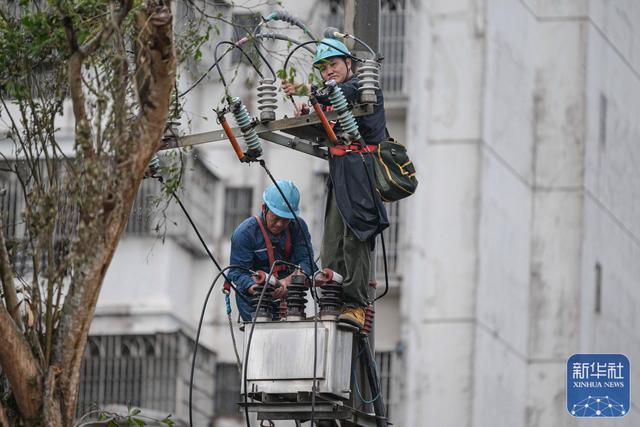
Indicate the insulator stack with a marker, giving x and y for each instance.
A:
(282, 310)
(368, 74)
(264, 311)
(340, 106)
(369, 315)
(243, 120)
(296, 297)
(330, 299)
(267, 101)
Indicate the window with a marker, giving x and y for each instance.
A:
(227, 393)
(389, 375)
(141, 219)
(243, 24)
(391, 242)
(237, 207)
(392, 41)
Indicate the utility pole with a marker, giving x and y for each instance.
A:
(362, 18)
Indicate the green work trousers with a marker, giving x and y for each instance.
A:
(345, 254)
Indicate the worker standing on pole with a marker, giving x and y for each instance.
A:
(354, 213)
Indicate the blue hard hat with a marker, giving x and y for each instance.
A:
(328, 48)
(276, 204)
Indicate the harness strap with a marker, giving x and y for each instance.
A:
(269, 245)
(341, 150)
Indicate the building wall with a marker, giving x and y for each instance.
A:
(443, 129)
(520, 120)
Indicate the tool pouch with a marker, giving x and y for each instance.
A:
(394, 171)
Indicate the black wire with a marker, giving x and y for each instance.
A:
(386, 274)
(363, 44)
(206, 248)
(205, 74)
(246, 354)
(295, 217)
(312, 290)
(195, 347)
(217, 61)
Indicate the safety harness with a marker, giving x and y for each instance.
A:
(270, 253)
(341, 150)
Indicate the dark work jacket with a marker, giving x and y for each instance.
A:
(373, 126)
(352, 175)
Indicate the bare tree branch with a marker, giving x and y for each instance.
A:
(20, 367)
(6, 274)
(4, 421)
(158, 64)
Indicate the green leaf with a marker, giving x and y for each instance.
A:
(139, 422)
(168, 421)
(282, 74)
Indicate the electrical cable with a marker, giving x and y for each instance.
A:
(313, 293)
(205, 73)
(227, 301)
(276, 36)
(221, 273)
(246, 354)
(355, 381)
(195, 347)
(217, 61)
(332, 32)
(280, 15)
(386, 273)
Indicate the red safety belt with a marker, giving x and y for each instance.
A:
(267, 241)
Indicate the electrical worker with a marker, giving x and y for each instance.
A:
(355, 213)
(262, 239)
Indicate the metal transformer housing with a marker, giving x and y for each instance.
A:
(281, 358)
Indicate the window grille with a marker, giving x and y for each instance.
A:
(149, 372)
(391, 240)
(237, 207)
(392, 46)
(227, 390)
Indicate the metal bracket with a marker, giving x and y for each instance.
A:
(307, 138)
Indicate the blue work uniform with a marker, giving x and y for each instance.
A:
(248, 249)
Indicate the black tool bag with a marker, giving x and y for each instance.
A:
(395, 173)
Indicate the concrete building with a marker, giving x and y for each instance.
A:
(155, 288)
(518, 250)
(521, 121)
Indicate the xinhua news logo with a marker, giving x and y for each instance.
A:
(598, 385)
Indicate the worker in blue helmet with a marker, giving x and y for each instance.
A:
(355, 213)
(269, 236)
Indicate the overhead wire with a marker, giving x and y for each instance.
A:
(237, 45)
(195, 346)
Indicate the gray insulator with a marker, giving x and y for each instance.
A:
(267, 101)
(243, 120)
(368, 74)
